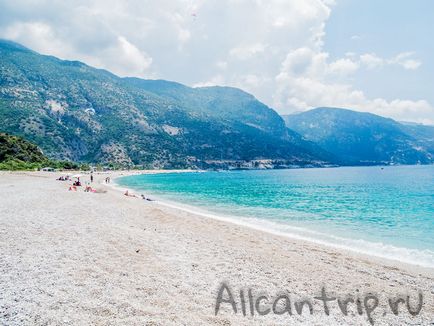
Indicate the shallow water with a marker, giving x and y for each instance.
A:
(382, 211)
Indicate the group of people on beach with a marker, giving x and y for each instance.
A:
(88, 187)
(77, 183)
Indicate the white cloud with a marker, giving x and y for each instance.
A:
(124, 57)
(253, 80)
(371, 60)
(185, 38)
(308, 63)
(306, 80)
(247, 51)
(273, 49)
(404, 59)
(120, 56)
(37, 35)
(222, 65)
(214, 81)
(343, 66)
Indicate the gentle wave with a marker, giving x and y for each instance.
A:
(424, 258)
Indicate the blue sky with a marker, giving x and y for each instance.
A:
(386, 27)
(373, 56)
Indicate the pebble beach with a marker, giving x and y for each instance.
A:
(102, 258)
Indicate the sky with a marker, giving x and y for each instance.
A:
(294, 55)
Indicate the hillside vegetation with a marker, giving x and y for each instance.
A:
(76, 112)
(19, 154)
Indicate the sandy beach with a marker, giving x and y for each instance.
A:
(76, 258)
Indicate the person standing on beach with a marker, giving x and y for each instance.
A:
(91, 178)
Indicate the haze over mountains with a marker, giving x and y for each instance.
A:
(76, 112)
(359, 138)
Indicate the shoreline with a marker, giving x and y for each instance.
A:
(104, 258)
(269, 227)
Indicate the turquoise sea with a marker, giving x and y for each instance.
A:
(387, 212)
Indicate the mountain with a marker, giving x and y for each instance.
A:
(76, 112)
(424, 134)
(364, 138)
(17, 153)
(14, 148)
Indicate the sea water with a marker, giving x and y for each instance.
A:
(382, 211)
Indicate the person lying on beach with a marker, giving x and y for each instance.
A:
(72, 188)
(128, 194)
(89, 189)
(144, 198)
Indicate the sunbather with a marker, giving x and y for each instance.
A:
(128, 194)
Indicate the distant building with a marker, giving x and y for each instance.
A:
(48, 169)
